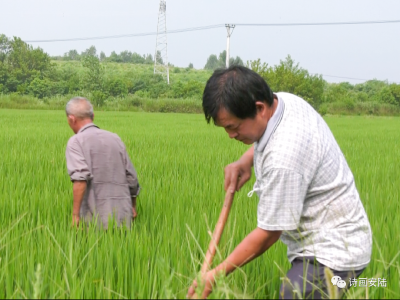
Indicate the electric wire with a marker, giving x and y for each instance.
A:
(213, 27)
(224, 25)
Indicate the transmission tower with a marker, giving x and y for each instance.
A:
(161, 54)
(229, 29)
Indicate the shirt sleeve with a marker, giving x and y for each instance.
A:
(282, 194)
(131, 176)
(77, 167)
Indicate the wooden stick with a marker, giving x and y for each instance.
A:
(219, 228)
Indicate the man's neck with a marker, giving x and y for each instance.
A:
(273, 108)
(271, 112)
(83, 123)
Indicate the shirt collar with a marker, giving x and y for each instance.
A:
(272, 125)
(87, 126)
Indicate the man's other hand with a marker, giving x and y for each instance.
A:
(134, 212)
(208, 282)
(236, 175)
(75, 220)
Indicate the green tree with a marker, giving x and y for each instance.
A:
(126, 56)
(159, 58)
(385, 95)
(290, 77)
(334, 92)
(237, 61)
(149, 59)
(395, 90)
(258, 67)
(4, 51)
(116, 87)
(94, 76)
(222, 59)
(91, 51)
(72, 55)
(212, 63)
(5, 47)
(103, 56)
(114, 57)
(372, 88)
(20, 64)
(138, 59)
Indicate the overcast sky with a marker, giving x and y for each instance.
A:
(355, 51)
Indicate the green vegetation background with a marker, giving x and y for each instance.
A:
(30, 78)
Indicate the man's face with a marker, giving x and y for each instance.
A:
(247, 130)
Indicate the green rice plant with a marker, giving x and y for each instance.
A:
(180, 162)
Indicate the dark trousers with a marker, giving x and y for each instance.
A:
(307, 280)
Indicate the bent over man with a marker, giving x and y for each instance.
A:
(307, 194)
(104, 179)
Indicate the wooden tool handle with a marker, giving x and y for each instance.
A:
(219, 228)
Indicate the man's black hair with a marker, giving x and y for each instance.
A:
(236, 89)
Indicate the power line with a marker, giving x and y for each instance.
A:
(128, 35)
(323, 23)
(212, 27)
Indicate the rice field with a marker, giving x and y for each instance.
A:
(180, 161)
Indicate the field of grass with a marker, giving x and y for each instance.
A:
(180, 161)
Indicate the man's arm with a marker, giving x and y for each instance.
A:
(131, 177)
(79, 173)
(79, 189)
(255, 244)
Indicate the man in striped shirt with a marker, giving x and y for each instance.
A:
(307, 195)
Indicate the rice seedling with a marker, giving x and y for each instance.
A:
(180, 161)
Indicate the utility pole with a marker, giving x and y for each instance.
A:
(229, 29)
(161, 53)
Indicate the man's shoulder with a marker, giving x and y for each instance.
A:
(71, 141)
(295, 138)
(297, 103)
(97, 130)
(289, 96)
(112, 136)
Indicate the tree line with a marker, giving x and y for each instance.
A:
(123, 57)
(25, 70)
(213, 62)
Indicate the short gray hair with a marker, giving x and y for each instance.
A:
(79, 107)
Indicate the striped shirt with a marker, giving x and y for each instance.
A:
(307, 190)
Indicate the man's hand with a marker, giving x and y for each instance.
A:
(239, 172)
(208, 282)
(254, 245)
(75, 220)
(134, 211)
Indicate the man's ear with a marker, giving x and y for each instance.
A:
(261, 107)
(71, 119)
